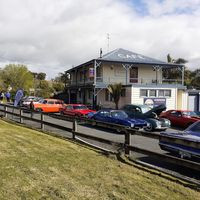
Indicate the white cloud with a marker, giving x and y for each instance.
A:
(50, 36)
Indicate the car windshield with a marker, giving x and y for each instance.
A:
(190, 113)
(194, 128)
(145, 108)
(119, 114)
(81, 107)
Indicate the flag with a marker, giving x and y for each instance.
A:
(18, 96)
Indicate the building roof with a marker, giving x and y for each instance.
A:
(128, 57)
(122, 55)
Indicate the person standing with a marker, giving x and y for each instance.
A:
(1, 97)
(7, 95)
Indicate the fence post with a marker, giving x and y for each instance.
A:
(74, 129)
(42, 121)
(21, 114)
(127, 141)
(5, 113)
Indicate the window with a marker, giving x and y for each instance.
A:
(58, 102)
(69, 107)
(152, 93)
(123, 92)
(176, 113)
(161, 93)
(133, 75)
(143, 93)
(105, 113)
(167, 93)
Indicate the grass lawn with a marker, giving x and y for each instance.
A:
(34, 165)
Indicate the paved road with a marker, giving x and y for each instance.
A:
(138, 141)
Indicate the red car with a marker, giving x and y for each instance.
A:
(75, 110)
(182, 118)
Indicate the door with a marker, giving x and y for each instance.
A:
(133, 75)
(69, 110)
(176, 118)
(193, 104)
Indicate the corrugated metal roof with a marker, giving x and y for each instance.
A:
(122, 55)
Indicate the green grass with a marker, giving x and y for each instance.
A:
(34, 165)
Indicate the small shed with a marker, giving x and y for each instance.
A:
(193, 100)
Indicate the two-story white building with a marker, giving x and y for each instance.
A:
(145, 81)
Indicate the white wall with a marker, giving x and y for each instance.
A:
(170, 101)
(115, 73)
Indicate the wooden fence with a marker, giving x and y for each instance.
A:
(126, 145)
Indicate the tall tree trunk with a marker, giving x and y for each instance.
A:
(117, 105)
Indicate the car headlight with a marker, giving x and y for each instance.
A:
(132, 125)
(158, 123)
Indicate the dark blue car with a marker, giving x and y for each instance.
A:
(192, 133)
(118, 117)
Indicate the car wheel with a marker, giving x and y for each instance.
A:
(119, 130)
(149, 128)
(94, 123)
(61, 113)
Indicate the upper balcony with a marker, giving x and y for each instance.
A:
(104, 82)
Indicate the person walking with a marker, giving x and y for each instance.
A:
(1, 97)
(31, 106)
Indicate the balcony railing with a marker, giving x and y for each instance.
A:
(82, 82)
(134, 81)
(139, 81)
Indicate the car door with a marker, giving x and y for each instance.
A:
(176, 118)
(99, 116)
(51, 106)
(58, 105)
(69, 110)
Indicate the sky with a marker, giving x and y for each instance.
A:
(51, 36)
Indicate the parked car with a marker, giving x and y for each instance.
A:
(48, 105)
(192, 133)
(27, 100)
(75, 110)
(118, 117)
(181, 118)
(151, 115)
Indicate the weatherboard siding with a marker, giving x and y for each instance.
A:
(170, 101)
(115, 73)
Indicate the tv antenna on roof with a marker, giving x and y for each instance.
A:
(108, 44)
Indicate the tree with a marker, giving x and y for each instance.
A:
(173, 73)
(57, 86)
(44, 89)
(41, 76)
(16, 76)
(64, 78)
(115, 91)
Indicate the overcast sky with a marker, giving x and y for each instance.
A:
(53, 35)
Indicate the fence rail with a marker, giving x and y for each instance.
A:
(126, 145)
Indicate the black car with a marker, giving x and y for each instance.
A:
(148, 114)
